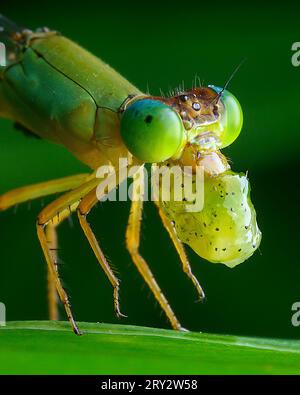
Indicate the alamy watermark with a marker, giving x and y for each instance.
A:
(296, 315)
(2, 55)
(296, 56)
(168, 183)
(2, 314)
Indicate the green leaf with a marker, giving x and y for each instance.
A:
(42, 347)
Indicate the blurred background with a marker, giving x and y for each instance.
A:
(157, 45)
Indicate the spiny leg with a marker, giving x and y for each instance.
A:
(87, 203)
(51, 236)
(132, 243)
(57, 211)
(180, 250)
(30, 192)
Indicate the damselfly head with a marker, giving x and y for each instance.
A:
(197, 106)
(212, 116)
(155, 128)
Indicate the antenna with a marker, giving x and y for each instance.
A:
(229, 79)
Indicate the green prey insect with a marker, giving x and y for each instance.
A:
(60, 92)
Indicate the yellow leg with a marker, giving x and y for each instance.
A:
(180, 250)
(86, 204)
(51, 237)
(23, 194)
(133, 242)
(30, 192)
(54, 213)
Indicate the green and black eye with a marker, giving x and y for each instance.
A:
(231, 121)
(152, 131)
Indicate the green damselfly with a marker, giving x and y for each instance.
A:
(58, 91)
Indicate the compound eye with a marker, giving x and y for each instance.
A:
(232, 117)
(152, 131)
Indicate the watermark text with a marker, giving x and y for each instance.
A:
(2, 314)
(2, 55)
(296, 55)
(168, 183)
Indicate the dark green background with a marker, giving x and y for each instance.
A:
(159, 45)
